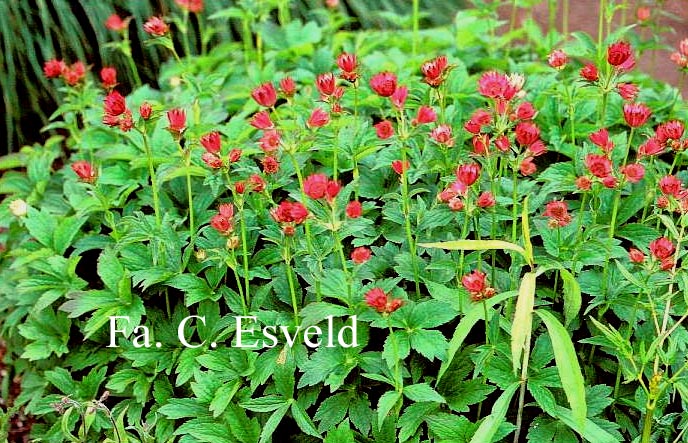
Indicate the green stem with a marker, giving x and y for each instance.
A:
(244, 305)
(407, 220)
(398, 384)
(290, 279)
(244, 251)
(185, 37)
(154, 180)
(647, 424)
(600, 30)
(416, 20)
(565, 18)
(189, 194)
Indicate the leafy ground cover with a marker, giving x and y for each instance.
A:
(441, 236)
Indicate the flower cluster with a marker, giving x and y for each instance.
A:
(71, 74)
(680, 57)
(458, 192)
(289, 214)
(116, 113)
(377, 299)
(620, 58)
(476, 284)
(318, 186)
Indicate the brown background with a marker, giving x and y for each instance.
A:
(583, 17)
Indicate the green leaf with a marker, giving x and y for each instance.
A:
(430, 344)
(422, 392)
(522, 324)
(572, 296)
(65, 232)
(273, 422)
(342, 434)
(488, 428)
(195, 288)
(385, 404)
(588, 429)
(430, 314)
(464, 327)
(567, 365)
(265, 404)
(41, 226)
(223, 396)
(475, 245)
(303, 420)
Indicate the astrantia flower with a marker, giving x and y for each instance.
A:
(601, 138)
(589, 72)
(270, 141)
(537, 148)
(177, 121)
(361, 255)
(212, 160)
(525, 111)
(145, 110)
(354, 209)
(672, 130)
(115, 23)
(527, 166)
(381, 302)
(265, 95)
(53, 68)
(287, 86)
(74, 74)
(326, 84)
(270, 165)
(583, 183)
(443, 135)
(485, 200)
(85, 171)
(636, 114)
(234, 155)
(558, 213)
(468, 174)
(315, 186)
(618, 53)
(434, 71)
(670, 185)
(479, 119)
(527, 133)
(599, 165)
(502, 143)
(651, 147)
(221, 224)
(114, 104)
(493, 84)
(627, 91)
(211, 142)
(257, 183)
(261, 120)
(193, 6)
(636, 255)
(476, 284)
(400, 167)
(634, 172)
(108, 76)
(398, 99)
(557, 59)
(662, 248)
(384, 83)
(424, 115)
(156, 26)
(348, 64)
(481, 144)
(290, 212)
(318, 118)
(384, 129)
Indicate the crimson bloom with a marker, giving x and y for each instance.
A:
(85, 171)
(557, 59)
(400, 167)
(354, 209)
(193, 6)
(434, 71)
(485, 200)
(74, 74)
(398, 99)
(589, 72)
(476, 284)
(558, 213)
(636, 114)
(672, 130)
(424, 115)
(381, 302)
(212, 160)
(384, 83)
(318, 118)
(493, 84)
(145, 110)
(627, 91)
(662, 248)
(525, 111)
(234, 155)
(527, 133)
(599, 165)
(384, 129)
(618, 53)
(114, 104)
(265, 95)
(290, 212)
(636, 255)
(261, 120)
(287, 86)
(601, 138)
(115, 23)
(468, 174)
(443, 135)
(348, 64)
(53, 68)
(156, 26)
(177, 120)
(361, 255)
(670, 186)
(326, 84)
(211, 142)
(315, 186)
(270, 165)
(108, 76)
(527, 166)
(634, 172)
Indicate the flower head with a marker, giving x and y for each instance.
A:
(485, 200)
(85, 171)
(155, 26)
(476, 284)
(662, 248)
(354, 209)
(634, 172)
(326, 84)
(557, 59)
(589, 72)
(177, 121)
(636, 255)
(627, 91)
(493, 84)
(108, 76)
(145, 110)
(211, 142)
(115, 23)
(442, 134)
(527, 133)
(261, 120)
(398, 99)
(384, 129)
(636, 114)
(318, 118)
(599, 165)
(265, 95)
(384, 83)
(287, 86)
(558, 213)
(618, 53)
(114, 104)
(601, 138)
(193, 6)
(400, 167)
(381, 302)
(53, 68)
(361, 255)
(424, 115)
(348, 64)
(468, 174)
(435, 70)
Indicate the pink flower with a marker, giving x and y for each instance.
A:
(536, 148)
(479, 119)
(583, 183)
(115, 23)
(525, 111)
(527, 167)
(211, 142)
(627, 91)
(354, 209)
(145, 110)
(651, 147)
(636, 255)
(636, 114)
(265, 95)
(502, 143)
(193, 6)
(381, 302)
(633, 172)
(384, 129)
(400, 167)
(476, 284)
(435, 71)
(527, 133)
(384, 84)
(599, 165)
(424, 115)
(485, 200)
(443, 135)
(318, 118)
(177, 120)
(234, 155)
(315, 186)
(114, 104)
(270, 141)
(212, 160)
(156, 26)
(261, 120)
(670, 185)
(326, 84)
(348, 64)
(558, 212)
(589, 72)
(601, 138)
(270, 165)
(399, 97)
(672, 130)
(108, 76)
(481, 144)
(53, 68)
(85, 171)
(361, 255)
(662, 248)
(643, 13)
(468, 174)
(557, 59)
(495, 85)
(618, 53)
(287, 86)
(74, 73)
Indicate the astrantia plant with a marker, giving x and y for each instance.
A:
(390, 242)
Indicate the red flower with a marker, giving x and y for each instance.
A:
(636, 114)
(126, 122)
(361, 255)
(270, 141)
(85, 171)
(145, 110)
(115, 23)
(290, 212)
(643, 13)
(618, 53)
(318, 118)
(398, 99)
(601, 138)
(156, 26)
(381, 302)
(287, 86)
(114, 104)
(354, 209)
(348, 64)
(234, 155)
(670, 185)
(443, 135)
(662, 248)
(326, 84)
(558, 212)
(434, 71)
(476, 284)
(400, 167)
(261, 120)
(257, 183)
(74, 74)
(270, 165)
(194, 6)
(610, 182)
(53, 68)
(557, 59)
(525, 111)
(536, 148)
(384, 129)
(211, 142)
(481, 144)
(333, 189)
(384, 84)
(468, 174)
(485, 200)
(583, 183)
(265, 95)
(589, 72)
(332, 4)
(636, 255)
(424, 115)
(672, 130)
(226, 210)
(651, 147)
(109, 77)
(212, 160)
(502, 143)
(455, 204)
(667, 264)
(222, 224)
(315, 186)
(527, 167)
(598, 165)
(527, 133)
(492, 84)
(240, 187)
(177, 119)
(479, 118)
(627, 91)
(633, 172)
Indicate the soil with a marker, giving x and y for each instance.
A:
(671, 18)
